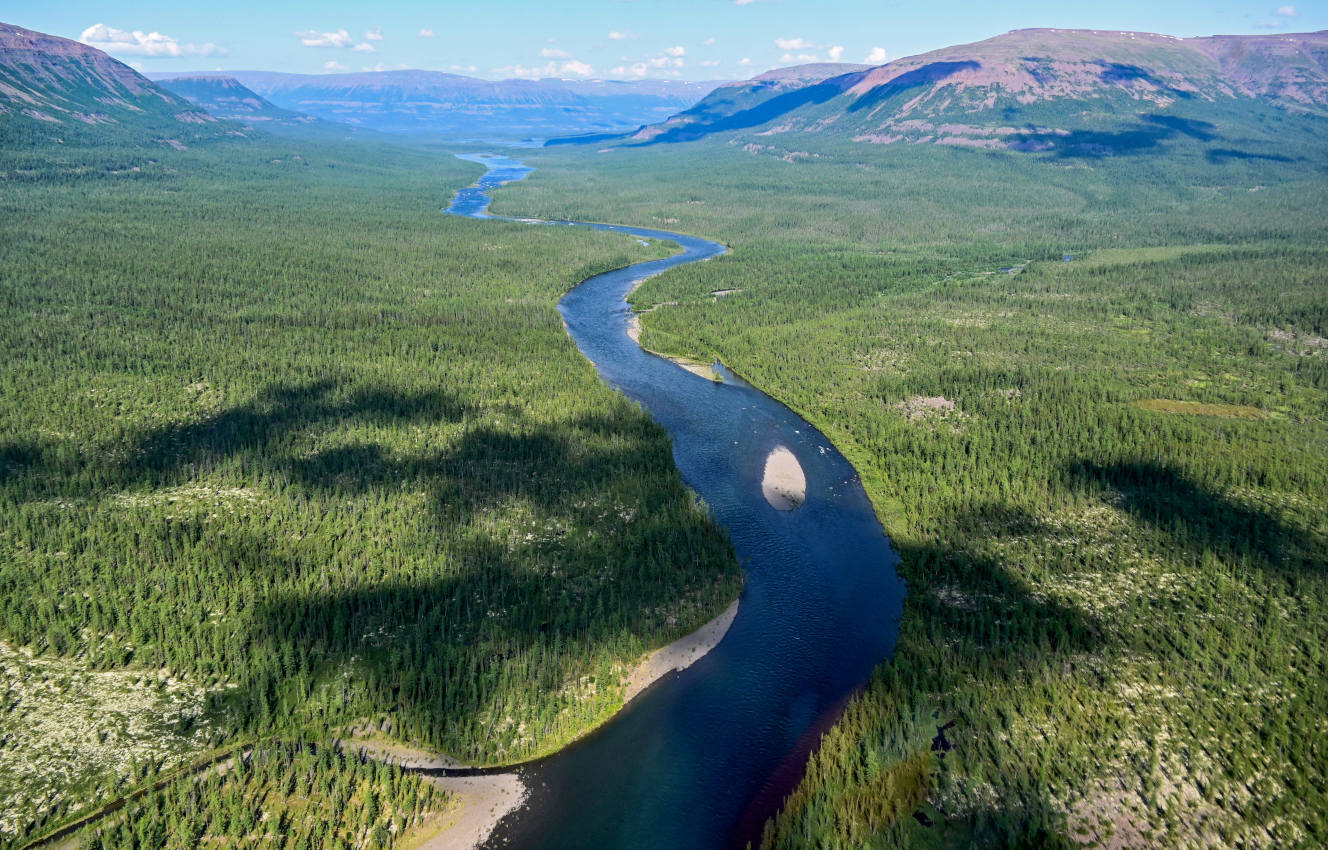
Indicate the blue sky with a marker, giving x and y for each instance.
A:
(620, 39)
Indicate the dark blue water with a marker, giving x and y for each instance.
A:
(703, 757)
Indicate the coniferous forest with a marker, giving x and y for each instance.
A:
(1089, 399)
(292, 462)
(286, 451)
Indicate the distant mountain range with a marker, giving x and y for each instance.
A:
(54, 90)
(1065, 91)
(455, 106)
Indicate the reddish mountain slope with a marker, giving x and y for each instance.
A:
(54, 88)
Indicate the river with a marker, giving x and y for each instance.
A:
(704, 756)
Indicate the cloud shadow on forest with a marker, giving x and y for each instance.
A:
(457, 633)
(994, 626)
(430, 641)
(1195, 516)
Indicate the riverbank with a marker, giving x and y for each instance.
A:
(483, 801)
(679, 655)
(701, 370)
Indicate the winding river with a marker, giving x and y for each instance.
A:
(704, 756)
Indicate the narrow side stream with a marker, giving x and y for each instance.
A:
(704, 756)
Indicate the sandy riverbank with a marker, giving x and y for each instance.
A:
(784, 484)
(701, 370)
(698, 369)
(679, 655)
(482, 802)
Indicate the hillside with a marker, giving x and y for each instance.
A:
(225, 97)
(1072, 92)
(56, 90)
(453, 105)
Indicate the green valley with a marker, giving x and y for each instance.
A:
(331, 519)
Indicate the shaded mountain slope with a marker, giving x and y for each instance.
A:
(731, 105)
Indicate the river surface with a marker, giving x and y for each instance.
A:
(704, 756)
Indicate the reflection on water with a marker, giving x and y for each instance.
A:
(703, 757)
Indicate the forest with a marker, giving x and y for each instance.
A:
(1088, 397)
(278, 795)
(286, 452)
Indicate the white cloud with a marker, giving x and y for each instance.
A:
(379, 67)
(1287, 12)
(364, 47)
(794, 44)
(375, 34)
(835, 53)
(709, 63)
(746, 60)
(662, 64)
(570, 68)
(314, 38)
(139, 43)
(745, 2)
(665, 62)
(876, 57)
(623, 35)
(470, 68)
(801, 57)
(555, 53)
(426, 33)
(708, 41)
(333, 65)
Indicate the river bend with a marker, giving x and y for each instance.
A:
(704, 756)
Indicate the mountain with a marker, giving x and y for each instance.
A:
(456, 106)
(739, 97)
(56, 90)
(1071, 92)
(224, 97)
(800, 75)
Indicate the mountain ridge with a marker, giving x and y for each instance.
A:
(1027, 89)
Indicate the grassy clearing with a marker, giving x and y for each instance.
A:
(66, 727)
